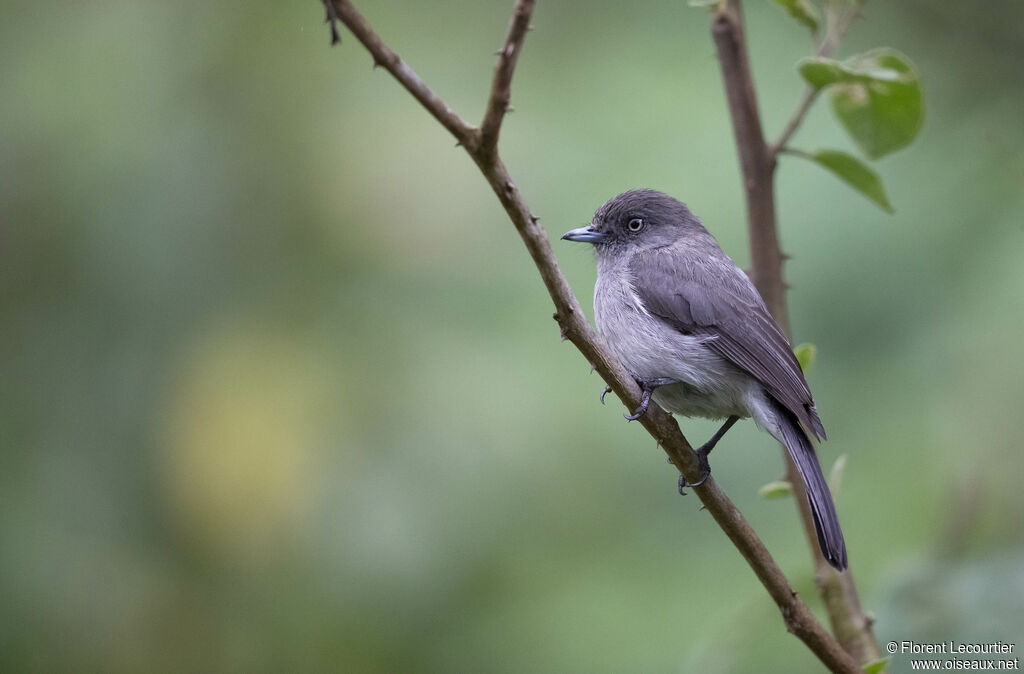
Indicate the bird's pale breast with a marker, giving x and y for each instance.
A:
(651, 349)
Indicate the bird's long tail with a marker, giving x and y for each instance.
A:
(826, 524)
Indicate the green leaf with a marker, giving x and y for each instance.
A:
(876, 96)
(820, 72)
(885, 112)
(835, 476)
(853, 172)
(802, 11)
(805, 354)
(777, 489)
(876, 666)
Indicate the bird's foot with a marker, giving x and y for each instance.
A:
(705, 471)
(647, 386)
(702, 455)
(645, 402)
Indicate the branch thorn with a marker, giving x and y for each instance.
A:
(332, 19)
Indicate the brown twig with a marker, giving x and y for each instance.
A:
(383, 56)
(803, 107)
(838, 22)
(501, 87)
(798, 618)
(757, 162)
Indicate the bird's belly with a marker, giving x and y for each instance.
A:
(690, 401)
(649, 348)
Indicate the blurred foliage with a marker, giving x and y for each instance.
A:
(776, 489)
(279, 388)
(802, 11)
(806, 353)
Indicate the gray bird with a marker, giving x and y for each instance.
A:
(694, 332)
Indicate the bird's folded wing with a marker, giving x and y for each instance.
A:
(731, 311)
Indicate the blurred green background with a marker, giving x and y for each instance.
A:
(280, 390)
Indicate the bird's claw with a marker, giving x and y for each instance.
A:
(647, 386)
(607, 390)
(645, 401)
(705, 472)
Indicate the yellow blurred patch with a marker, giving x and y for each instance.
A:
(241, 432)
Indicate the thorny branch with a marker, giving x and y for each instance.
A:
(482, 148)
(501, 88)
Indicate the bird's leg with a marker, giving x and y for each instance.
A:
(702, 455)
(648, 386)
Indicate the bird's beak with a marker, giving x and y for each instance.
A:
(588, 234)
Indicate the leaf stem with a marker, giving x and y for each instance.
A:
(838, 21)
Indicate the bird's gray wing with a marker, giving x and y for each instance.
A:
(714, 298)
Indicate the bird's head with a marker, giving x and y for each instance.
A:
(637, 220)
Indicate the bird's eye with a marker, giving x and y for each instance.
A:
(635, 225)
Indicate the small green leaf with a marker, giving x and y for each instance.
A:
(835, 476)
(885, 112)
(853, 172)
(820, 72)
(875, 95)
(777, 489)
(876, 666)
(805, 354)
(802, 11)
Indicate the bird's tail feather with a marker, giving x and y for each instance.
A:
(826, 523)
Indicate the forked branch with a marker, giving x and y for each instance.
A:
(384, 57)
(483, 149)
